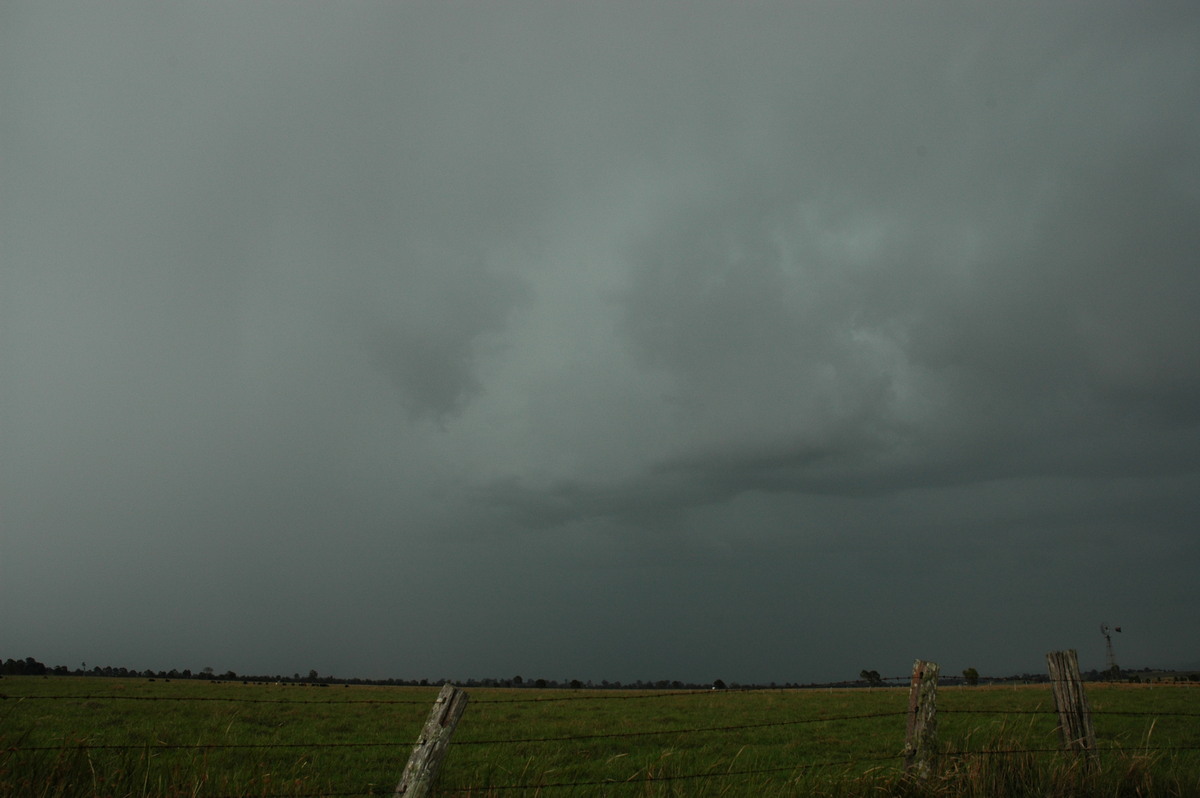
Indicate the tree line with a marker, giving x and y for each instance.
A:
(32, 667)
(867, 678)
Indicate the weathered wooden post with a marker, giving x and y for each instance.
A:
(426, 760)
(1074, 717)
(920, 743)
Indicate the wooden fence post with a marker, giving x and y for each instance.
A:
(1074, 717)
(920, 742)
(426, 760)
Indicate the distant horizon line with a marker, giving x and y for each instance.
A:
(30, 666)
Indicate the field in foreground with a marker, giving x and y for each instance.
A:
(75, 736)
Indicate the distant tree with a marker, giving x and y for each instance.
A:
(718, 685)
(971, 676)
(871, 677)
(517, 681)
(23, 667)
(540, 684)
(576, 684)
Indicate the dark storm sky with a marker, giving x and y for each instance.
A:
(599, 340)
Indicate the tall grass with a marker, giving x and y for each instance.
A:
(1017, 775)
(82, 772)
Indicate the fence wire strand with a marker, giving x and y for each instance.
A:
(511, 741)
(644, 779)
(700, 730)
(228, 699)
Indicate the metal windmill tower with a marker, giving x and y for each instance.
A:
(1110, 658)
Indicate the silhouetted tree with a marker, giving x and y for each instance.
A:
(23, 667)
(971, 676)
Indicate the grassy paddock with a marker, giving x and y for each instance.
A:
(703, 744)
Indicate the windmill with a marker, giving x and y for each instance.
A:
(1110, 659)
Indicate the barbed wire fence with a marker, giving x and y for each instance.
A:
(591, 696)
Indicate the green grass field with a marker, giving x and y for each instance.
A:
(196, 738)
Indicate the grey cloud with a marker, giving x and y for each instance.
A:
(889, 345)
(625, 328)
(432, 362)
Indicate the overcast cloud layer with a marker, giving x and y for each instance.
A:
(613, 340)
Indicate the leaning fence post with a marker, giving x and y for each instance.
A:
(920, 742)
(426, 760)
(1074, 717)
